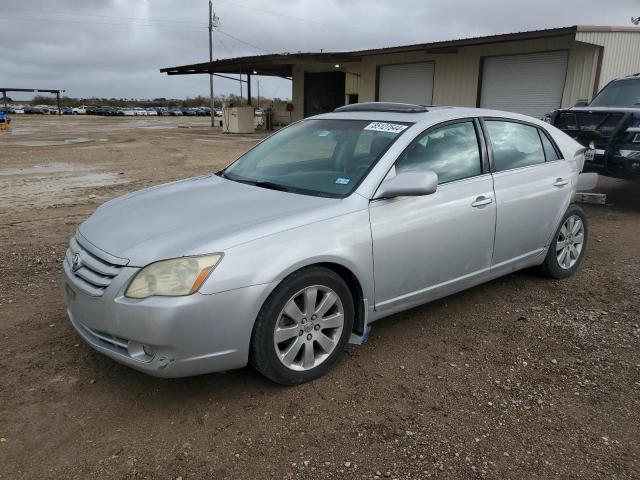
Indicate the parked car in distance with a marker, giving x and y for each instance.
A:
(609, 126)
(218, 112)
(321, 229)
(175, 112)
(81, 110)
(258, 112)
(106, 111)
(151, 112)
(12, 109)
(67, 111)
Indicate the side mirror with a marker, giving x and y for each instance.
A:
(581, 103)
(408, 184)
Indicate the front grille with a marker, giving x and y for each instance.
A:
(90, 270)
(604, 124)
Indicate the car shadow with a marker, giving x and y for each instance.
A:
(621, 194)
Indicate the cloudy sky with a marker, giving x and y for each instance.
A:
(114, 48)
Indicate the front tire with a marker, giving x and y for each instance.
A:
(303, 327)
(568, 246)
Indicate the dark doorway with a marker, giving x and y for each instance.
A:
(323, 92)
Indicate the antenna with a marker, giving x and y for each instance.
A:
(635, 21)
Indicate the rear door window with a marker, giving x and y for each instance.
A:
(514, 145)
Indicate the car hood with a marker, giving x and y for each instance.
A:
(588, 109)
(198, 216)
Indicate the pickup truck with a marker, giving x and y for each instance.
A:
(609, 126)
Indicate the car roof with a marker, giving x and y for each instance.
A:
(428, 115)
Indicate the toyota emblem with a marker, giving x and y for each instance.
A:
(77, 262)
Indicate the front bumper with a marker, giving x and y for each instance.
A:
(623, 162)
(167, 336)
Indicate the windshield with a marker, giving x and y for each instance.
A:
(623, 93)
(316, 157)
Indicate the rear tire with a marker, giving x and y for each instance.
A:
(568, 246)
(303, 326)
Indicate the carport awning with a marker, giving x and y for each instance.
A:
(279, 65)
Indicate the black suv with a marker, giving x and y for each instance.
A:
(609, 127)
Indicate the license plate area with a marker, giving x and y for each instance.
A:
(589, 155)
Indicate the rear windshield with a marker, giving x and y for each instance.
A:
(316, 157)
(623, 93)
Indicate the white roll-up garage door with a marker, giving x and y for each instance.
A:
(406, 83)
(531, 84)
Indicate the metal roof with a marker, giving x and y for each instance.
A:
(282, 64)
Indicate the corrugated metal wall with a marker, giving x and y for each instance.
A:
(621, 53)
(456, 75)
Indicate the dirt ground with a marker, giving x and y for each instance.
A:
(520, 378)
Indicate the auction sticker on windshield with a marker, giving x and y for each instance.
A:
(386, 127)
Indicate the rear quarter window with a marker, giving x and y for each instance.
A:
(550, 152)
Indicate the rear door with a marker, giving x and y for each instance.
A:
(429, 246)
(532, 186)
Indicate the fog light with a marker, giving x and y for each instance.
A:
(148, 350)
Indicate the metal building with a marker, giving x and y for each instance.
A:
(530, 72)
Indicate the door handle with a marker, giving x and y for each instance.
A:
(481, 201)
(560, 182)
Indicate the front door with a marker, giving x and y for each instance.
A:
(430, 246)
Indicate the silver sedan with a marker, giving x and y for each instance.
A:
(328, 225)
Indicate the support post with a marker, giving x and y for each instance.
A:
(249, 89)
(212, 98)
(58, 102)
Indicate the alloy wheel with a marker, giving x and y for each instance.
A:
(308, 328)
(570, 242)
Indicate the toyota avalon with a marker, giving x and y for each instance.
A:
(319, 230)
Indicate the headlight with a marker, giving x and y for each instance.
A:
(172, 278)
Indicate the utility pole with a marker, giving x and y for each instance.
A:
(258, 93)
(213, 22)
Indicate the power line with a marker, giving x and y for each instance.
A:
(84, 22)
(57, 12)
(224, 45)
(244, 42)
(292, 17)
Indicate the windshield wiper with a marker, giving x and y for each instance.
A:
(270, 185)
(257, 183)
